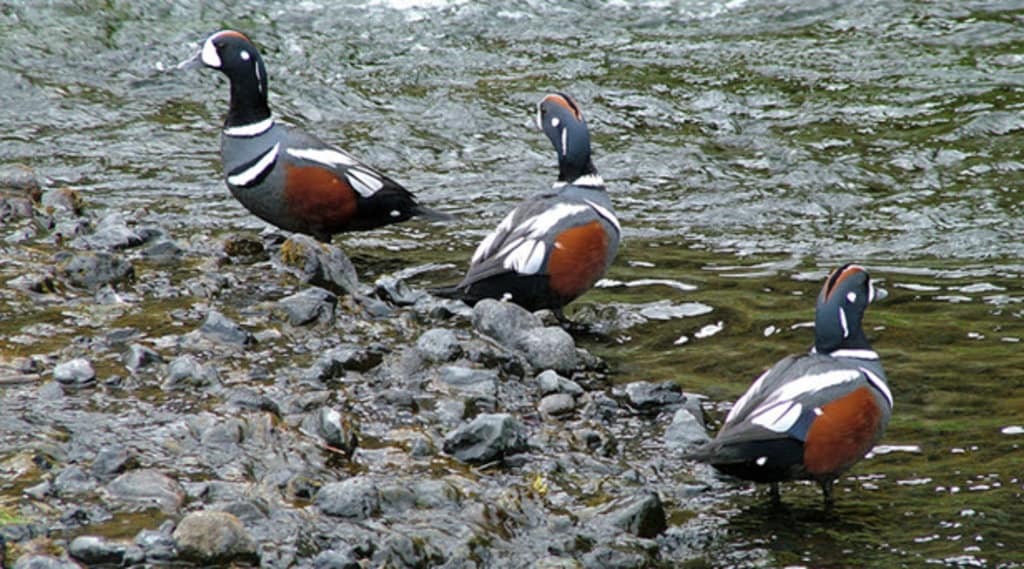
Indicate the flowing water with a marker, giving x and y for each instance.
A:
(749, 146)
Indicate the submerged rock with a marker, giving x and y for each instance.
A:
(487, 438)
(214, 537)
(318, 264)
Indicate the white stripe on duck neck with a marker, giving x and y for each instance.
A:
(587, 181)
(251, 129)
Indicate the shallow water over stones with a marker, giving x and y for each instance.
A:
(750, 146)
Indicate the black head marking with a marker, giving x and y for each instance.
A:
(234, 55)
(560, 118)
(840, 311)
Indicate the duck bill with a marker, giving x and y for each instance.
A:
(194, 62)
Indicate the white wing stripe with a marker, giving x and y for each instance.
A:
(742, 401)
(527, 258)
(326, 156)
(779, 418)
(538, 225)
(366, 183)
(251, 129)
(484, 250)
(879, 384)
(246, 176)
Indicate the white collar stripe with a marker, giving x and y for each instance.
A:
(879, 384)
(855, 354)
(265, 163)
(251, 129)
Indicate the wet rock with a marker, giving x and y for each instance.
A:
(439, 345)
(318, 264)
(214, 537)
(95, 550)
(146, 488)
(604, 557)
(111, 461)
(332, 559)
(93, 270)
(486, 438)
(111, 233)
(685, 432)
(334, 362)
(335, 430)
(556, 563)
(400, 550)
(140, 357)
(44, 562)
(246, 398)
(225, 433)
(313, 305)
(550, 382)
(396, 291)
(243, 247)
(75, 373)
(70, 229)
(642, 515)
(73, 480)
(157, 545)
(18, 180)
(503, 321)
(42, 283)
(36, 492)
(475, 381)
(223, 330)
(163, 251)
(61, 201)
(549, 348)
(355, 498)
(646, 396)
(185, 371)
(556, 404)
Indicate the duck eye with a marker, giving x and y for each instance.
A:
(851, 296)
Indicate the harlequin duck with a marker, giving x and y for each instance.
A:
(285, 176)
(555, 245)
(812, 416)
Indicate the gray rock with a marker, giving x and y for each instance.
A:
(469, 380)
(549, 348)
(93, 270)
(550, 382)
(139, 357)
(313, 305)
(332, 559)
(331, 427)
(439, 345)
(163, 251)
(556, 404)
(334, 362)
(73, 480)
(157, 545)
(224, 433)
(146, 488)
(111, 233)
(36, 492)
(402, 551)
(95, 550)
(221, 329)
(318, 264)
(685, 432)
(556, 563)
(19, 180)
(503, 321)
(396, 291)
(110, 461)
(604, 557)
(354, 498)
(243, 247)
(646, 396)
(486, 438)
(44, 562)
(185, 371)
(214, 537)
(61, 202)
(75, 373)
(641, 515)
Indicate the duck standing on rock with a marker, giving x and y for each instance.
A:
(553, 246)
(812, 416)
(285, 176)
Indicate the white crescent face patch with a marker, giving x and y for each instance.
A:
(209, 54)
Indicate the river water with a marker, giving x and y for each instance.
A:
(749, 147)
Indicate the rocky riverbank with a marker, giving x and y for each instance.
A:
(174, 397)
